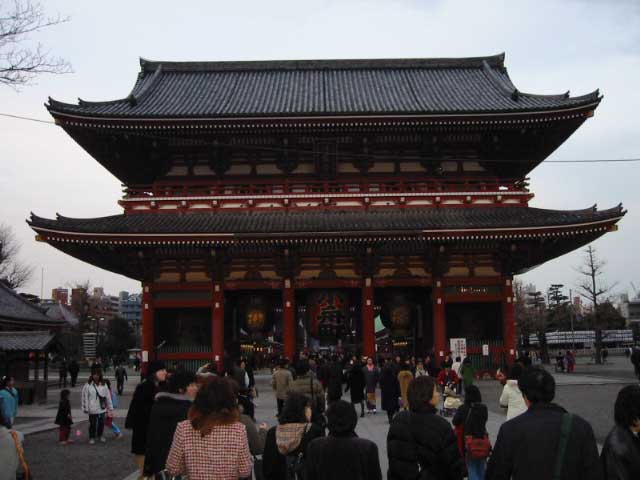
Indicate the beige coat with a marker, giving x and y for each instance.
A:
(404, 378)
(281, 382)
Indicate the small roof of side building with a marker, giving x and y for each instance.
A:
(61, 313)
(322, 88)
(16, 311)
(25, 341)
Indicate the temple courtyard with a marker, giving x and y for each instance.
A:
(590, 392)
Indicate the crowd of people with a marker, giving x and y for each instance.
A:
(202, 425)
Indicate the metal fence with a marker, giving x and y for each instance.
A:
(496, 358)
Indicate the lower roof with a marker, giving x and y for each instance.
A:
(342, 223)
(20, 311)
(25, 341)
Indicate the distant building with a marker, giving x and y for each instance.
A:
(630, 310)
(60, 295)
(130, 308)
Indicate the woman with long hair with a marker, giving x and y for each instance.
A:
(96, 401)
(212, 443)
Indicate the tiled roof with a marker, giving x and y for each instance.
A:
(322, 88)
(13, 306)
(61, 313)
(24, 341)
(257, 224)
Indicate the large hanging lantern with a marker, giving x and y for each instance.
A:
(327, 314)
(255, 313)
(255, 318)
(396, 315)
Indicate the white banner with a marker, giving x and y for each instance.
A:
(458, 347)
(485, 350)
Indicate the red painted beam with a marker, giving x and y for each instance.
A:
(147, 346)
(288, 319)
(508, 320)
(217, 325)
(368, 324)
(439, 321)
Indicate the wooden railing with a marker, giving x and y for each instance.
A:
(314, 187)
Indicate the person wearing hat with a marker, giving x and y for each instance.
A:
(342, 455)
(140, 409)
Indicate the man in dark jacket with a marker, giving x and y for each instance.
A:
(140, 409)
(121, 377)
(621, 451)
(420, 443)
(342, 455)
(74, 369)
(529, 445)
(169, 409)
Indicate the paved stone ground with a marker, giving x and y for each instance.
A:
(590, 392)
(49, 460)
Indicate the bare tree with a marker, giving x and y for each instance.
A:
(13, 272)
(592, 288)
(19, 63)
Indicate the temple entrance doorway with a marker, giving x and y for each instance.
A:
(404, 324)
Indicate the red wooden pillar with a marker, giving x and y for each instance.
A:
(368, 323)
(288, 319)
(439, 321)
(508, 320)
(217, 325)
(147, 327)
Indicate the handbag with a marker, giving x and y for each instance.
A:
(477, 448)
(25, 474)
(101, 399)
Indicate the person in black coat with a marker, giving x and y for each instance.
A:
(621, 451)
(420, 443)
(140, 409)
(471, 419)
(63, 417)
(527, 446)
(334, 380)
(169, 409)
(342, 455)
(390, 388)
(74, 369)
(355, 385)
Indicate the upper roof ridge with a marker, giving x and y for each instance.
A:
(495, 61)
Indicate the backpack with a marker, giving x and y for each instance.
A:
(295, 466)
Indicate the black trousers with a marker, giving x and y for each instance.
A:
(120, 385)
(280, 404)
(62, 382)
(361, 407)
(96, 425)
(74, 378)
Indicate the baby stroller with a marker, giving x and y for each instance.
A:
(450, 400)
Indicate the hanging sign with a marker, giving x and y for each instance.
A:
(485, 350)
(458, 347)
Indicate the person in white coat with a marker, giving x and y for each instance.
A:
(96, 400)
(511, 397)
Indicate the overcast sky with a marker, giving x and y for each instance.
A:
(551, 47)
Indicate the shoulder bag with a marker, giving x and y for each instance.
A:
(101, 399)
(476, 448)
(565, 431)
